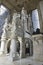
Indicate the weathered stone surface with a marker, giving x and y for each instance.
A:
(38, 47)
(18, 4)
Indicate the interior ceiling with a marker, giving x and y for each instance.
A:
(18, 4)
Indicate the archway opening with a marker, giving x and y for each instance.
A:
(35, 21)
(8, 47)
(18, 47)
(28, 47)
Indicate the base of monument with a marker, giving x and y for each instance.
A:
(40, 58)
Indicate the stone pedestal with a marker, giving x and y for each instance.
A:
(38, 48)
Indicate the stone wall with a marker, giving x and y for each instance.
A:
(38, 47)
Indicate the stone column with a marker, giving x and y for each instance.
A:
(3, 42)
(13, 50)
(24, 22)
(3, 38)
(13, 47)
(22, 47)
(31, 47)
(29, 23)
(40, 13)
(24, 19)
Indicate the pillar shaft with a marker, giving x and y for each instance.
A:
(13, 50)
(40, 18)
(13, 47)
(22, 47)
(3, 40)
(3, 46)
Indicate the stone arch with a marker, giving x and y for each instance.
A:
(29, 47)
